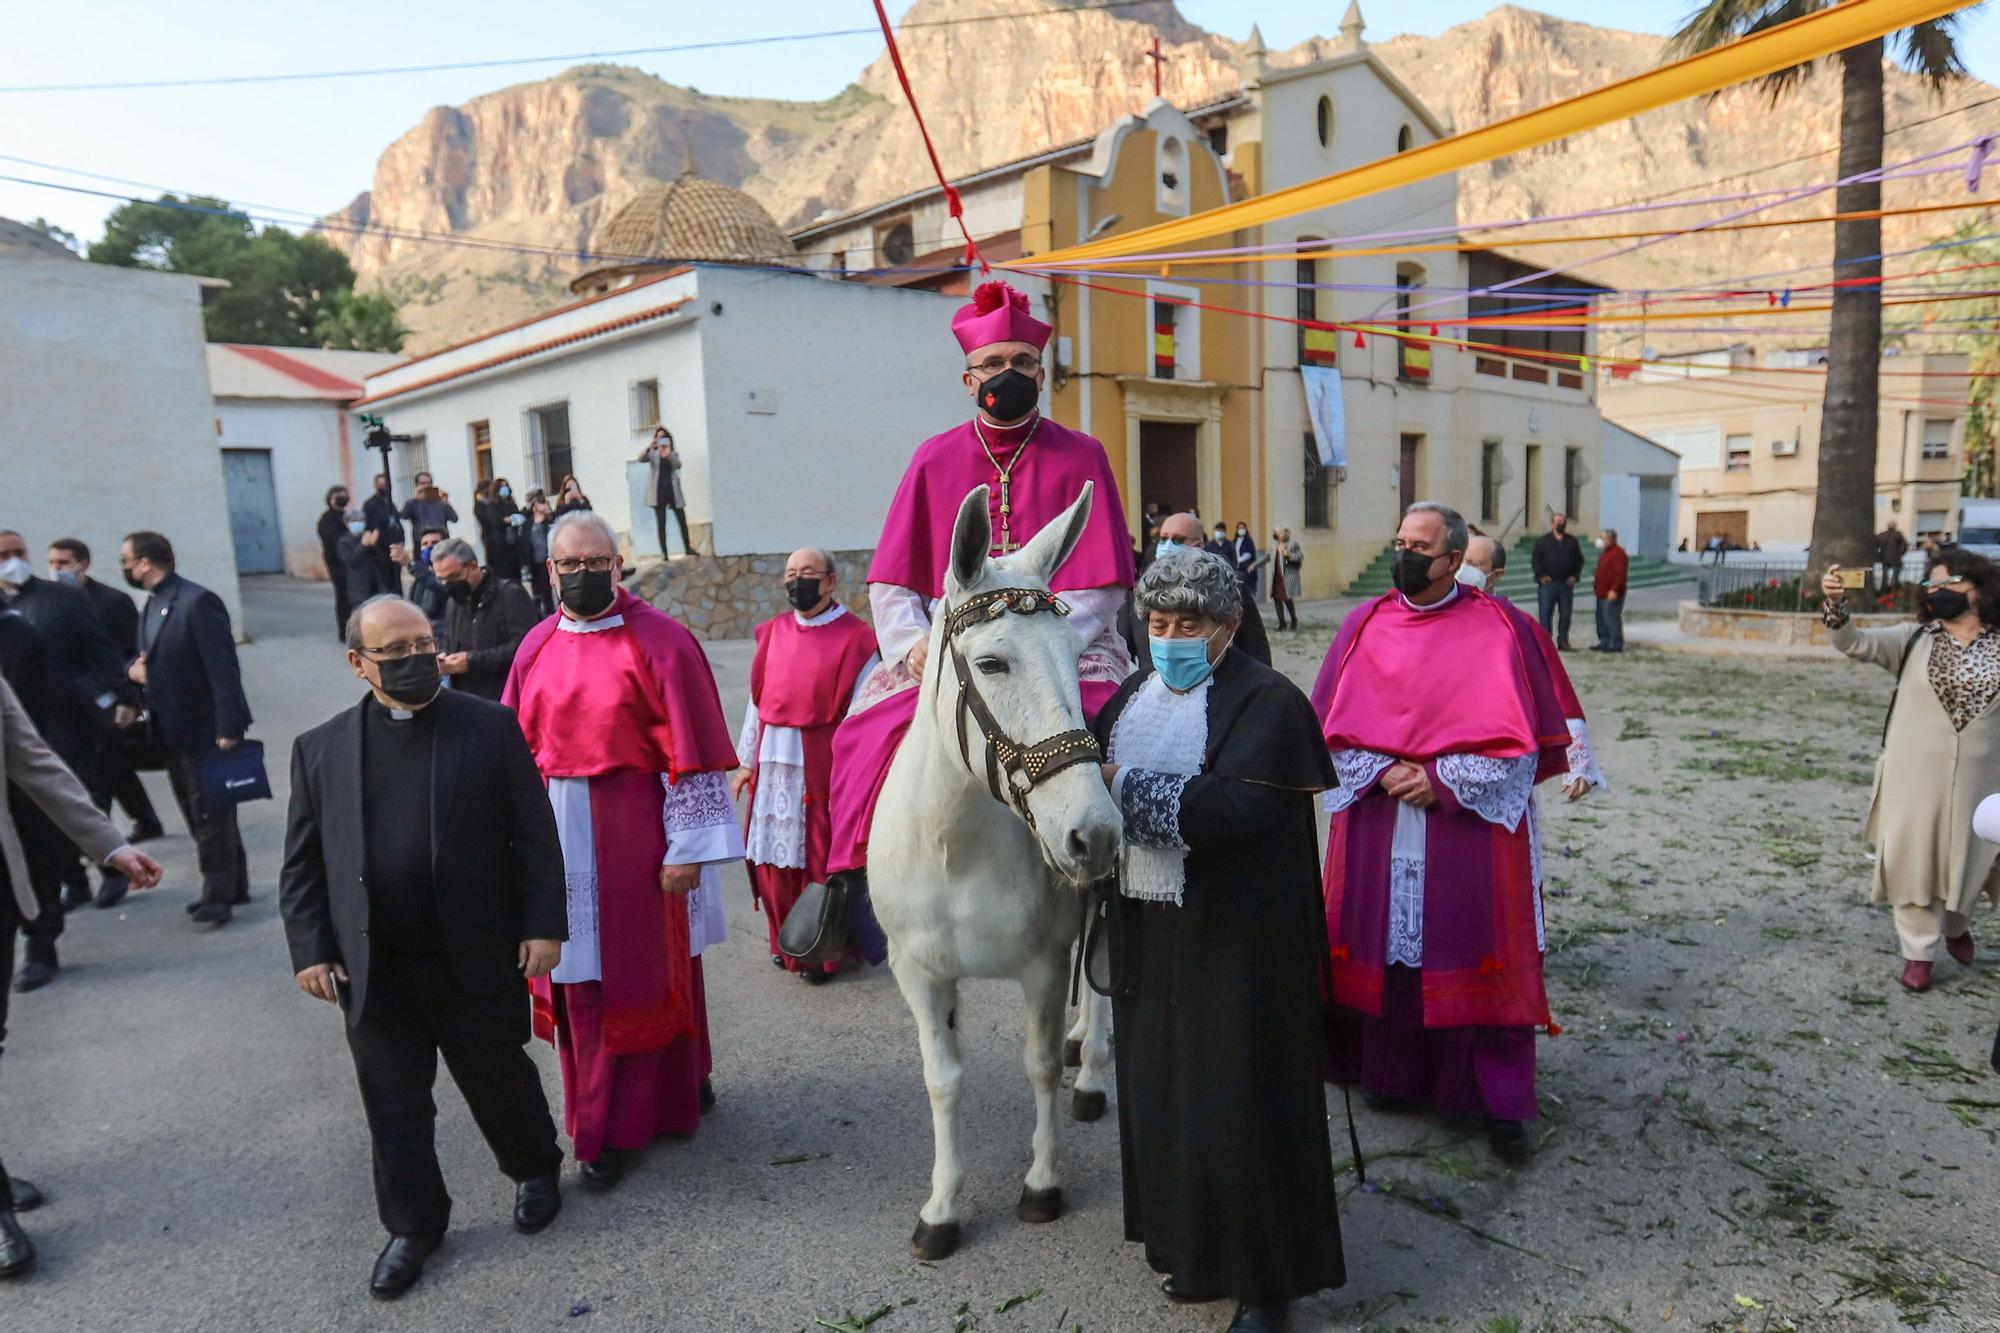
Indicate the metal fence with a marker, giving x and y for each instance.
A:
(1784, 586)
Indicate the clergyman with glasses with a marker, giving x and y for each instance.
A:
(1032, 470)
(622, 716)
(422, 891)
(1940, 754)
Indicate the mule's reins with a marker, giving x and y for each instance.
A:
(1006, 758)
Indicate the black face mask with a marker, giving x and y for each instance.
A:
(588, 592)
(804, 594)
(132, 578)
(458, 590)
(338, 503)
(1561, 528)
(1413, 572)
(1945, 604)
(412, 681)
(1009, 396)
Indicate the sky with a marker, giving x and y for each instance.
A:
(311, 146)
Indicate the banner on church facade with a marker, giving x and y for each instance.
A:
(1328, 412)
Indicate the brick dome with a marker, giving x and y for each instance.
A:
(688, 219)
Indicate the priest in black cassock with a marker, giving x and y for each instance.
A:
(1217, 940)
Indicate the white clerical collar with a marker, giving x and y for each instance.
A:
(589, 626)
(826, 617)
(1439, 605)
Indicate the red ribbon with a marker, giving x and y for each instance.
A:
(951, 199)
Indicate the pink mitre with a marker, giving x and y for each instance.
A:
(998, 314)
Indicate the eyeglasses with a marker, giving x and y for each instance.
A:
(1185, 541)
(396, 652)
(1931, 585)
(596, 564)
(1025, 362)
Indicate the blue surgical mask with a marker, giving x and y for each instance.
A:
(505, 491)
(1182, 663)
(1165, 548)
(356, 526)
(65, 576)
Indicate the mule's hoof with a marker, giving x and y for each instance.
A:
(934, 1242)
(1086, 1106)
(1072, 1054)
(1040, 1205)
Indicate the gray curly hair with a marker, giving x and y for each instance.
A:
(1190, 581)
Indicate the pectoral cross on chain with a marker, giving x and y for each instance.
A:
(1007, 544)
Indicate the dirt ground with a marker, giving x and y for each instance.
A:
(1746, 1123)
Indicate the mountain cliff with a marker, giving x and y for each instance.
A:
(524, 175)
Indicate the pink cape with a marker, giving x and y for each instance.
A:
(1391, 664)
(916, 537)
(808, 688)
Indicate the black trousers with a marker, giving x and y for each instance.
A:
(49, 855)
(342, 603)
(122, 783)
(10, 919)
(414, 1012)
(538, 576)
(660, 521)
(218, 845)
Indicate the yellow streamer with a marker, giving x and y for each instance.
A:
(1803, 39)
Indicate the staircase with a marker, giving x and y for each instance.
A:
(1519, 583)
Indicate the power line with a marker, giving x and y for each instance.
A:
(720, 44)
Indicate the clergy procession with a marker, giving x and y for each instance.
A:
(935, 893)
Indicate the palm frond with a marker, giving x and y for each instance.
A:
(1724, 21)
(1930, 51)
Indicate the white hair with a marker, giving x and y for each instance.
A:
(585, 518)
(1456, 534)
(1192, 581)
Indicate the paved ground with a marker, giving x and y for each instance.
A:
(1747, 1125)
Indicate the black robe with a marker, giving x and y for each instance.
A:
(1220, 1024)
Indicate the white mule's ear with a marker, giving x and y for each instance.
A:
(1053, 544)
(971, 541)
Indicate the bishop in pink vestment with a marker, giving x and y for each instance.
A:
(808, 667)
(1033, 469)
(620, 709)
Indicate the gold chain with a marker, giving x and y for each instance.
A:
(1006, 476)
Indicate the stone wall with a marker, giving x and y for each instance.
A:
(727, 597)
(1788, 628)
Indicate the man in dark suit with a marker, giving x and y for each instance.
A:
(86, 669)
(69, 561)
(187, 665)
(378, 511)
(331, 528)
(488, 617)
(423, 883)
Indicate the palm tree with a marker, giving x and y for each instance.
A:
(1844, 520)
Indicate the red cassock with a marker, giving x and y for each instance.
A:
(621, 707)
(802, 677)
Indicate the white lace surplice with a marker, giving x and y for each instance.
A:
(1158, 744)
(777, 833)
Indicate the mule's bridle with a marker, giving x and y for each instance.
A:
(1007, 758)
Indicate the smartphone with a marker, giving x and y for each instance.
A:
(1853, 579)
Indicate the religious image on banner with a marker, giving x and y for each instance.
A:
(1329, 413)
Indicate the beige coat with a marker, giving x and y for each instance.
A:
(30, 765)
(1927, 783)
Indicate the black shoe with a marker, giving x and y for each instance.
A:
(705, 1095)
(75, 894)
(1599, 648)
(194, 907)
(1172, 1291)
(1509, 1141)
(1563, 645)
(211, 914)
(778, 961)
(145, 830)
(1387, 1105)
(400, 1264)
(603, 1173)
(813, 976)
(536, 1203)
(1273, 1318)
(17, 1252)
(26, 1197)
(35, 974)
(112, 891)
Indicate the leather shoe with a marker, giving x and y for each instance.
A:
(211, 914)
(75, 894)
(26, 1197)
(17, 1252)
(1961, 948)
(145, 830)
(603, 1173)
(705, 1096)
(112, 891)
(1173, 1292)
(400, 1264)
(1275, 1317)
(194, 907)
(1916, 976)
(1384, 1104)
(536, 1203)
(1509, 1141)
(34, 975)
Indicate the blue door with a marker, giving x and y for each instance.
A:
(253, 511)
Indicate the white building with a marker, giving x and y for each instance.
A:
(795, 403)
(286, 437)
(1639, 495)
(106, 422)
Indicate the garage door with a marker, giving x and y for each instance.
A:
(253, 511)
